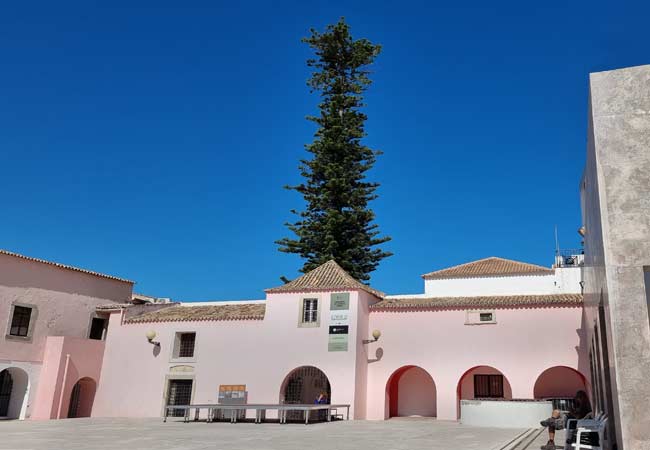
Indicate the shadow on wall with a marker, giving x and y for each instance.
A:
(559, 382)
(379, 353)
(82, 398)
(14, 391)
(411, 392)
(583, 345)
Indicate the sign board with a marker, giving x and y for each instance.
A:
(339, 318)
(339, 326)
(340, 301)
(231, 391)
(338, 343)
(232, 394)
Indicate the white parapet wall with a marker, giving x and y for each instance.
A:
(504, 414)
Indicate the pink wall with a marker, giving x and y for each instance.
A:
(65, 302)
(519, 345)
(466, 384)
(257, 353)
(417, 394)
(261, 353)
(559, 382)
(67, 360)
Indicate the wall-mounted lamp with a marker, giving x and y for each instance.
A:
(151, 335)
(376, 334)
(582, 231)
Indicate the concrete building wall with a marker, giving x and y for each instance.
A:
(67, 361)
(616, 211)
(64, 302)
(562, 281)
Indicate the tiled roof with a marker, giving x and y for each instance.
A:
(328, 276)
(112, 306)
(488, 267)
(501, 301)
(245, 311)
(64, 266)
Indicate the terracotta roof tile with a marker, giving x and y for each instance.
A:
(500, 301)
(113, 306)
(328, 276)
(245, 311)
(488, 267)
(64, 266)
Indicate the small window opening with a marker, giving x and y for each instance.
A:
(97, 328)
(186, 344)
(488, 386)
(486, 317)
(20, 321)
(310, 310)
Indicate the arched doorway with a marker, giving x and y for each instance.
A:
(14, 386)
(303, 385)
(82, 397)
(411, 392)
(482, 382)
(559, 384)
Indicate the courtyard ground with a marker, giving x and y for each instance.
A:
(137, 434)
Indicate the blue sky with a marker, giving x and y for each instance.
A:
(151, 140)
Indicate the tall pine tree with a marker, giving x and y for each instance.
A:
(337, 222)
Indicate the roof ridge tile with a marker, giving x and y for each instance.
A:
(328, 276)
(490, 266)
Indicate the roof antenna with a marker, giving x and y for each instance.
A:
(557, 249)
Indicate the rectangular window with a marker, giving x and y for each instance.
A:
(97, 328)
(486, 317)
(488, 386)
(480, 317)
(20, 321)
(186, 345)
(310, 310)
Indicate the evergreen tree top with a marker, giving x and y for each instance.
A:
(337, 222)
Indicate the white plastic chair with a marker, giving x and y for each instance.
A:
(591, 434)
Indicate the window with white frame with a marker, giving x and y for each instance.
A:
(310, 310)
(480, 317)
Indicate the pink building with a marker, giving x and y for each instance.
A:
(52, 345)
(481, 336)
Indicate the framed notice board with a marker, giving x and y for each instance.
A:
(339, 325)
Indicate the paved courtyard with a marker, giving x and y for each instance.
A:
(136, 434)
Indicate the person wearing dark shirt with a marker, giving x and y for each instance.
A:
(580, 410)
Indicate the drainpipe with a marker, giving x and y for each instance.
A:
(65, 378)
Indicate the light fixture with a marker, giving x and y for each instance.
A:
(376, 334)
(151, 335)
(582, 231)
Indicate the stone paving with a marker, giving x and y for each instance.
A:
(139, 434)
(542, 439)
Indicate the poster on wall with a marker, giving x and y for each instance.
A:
(339, 325)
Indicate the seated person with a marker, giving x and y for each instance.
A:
(580, 410)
